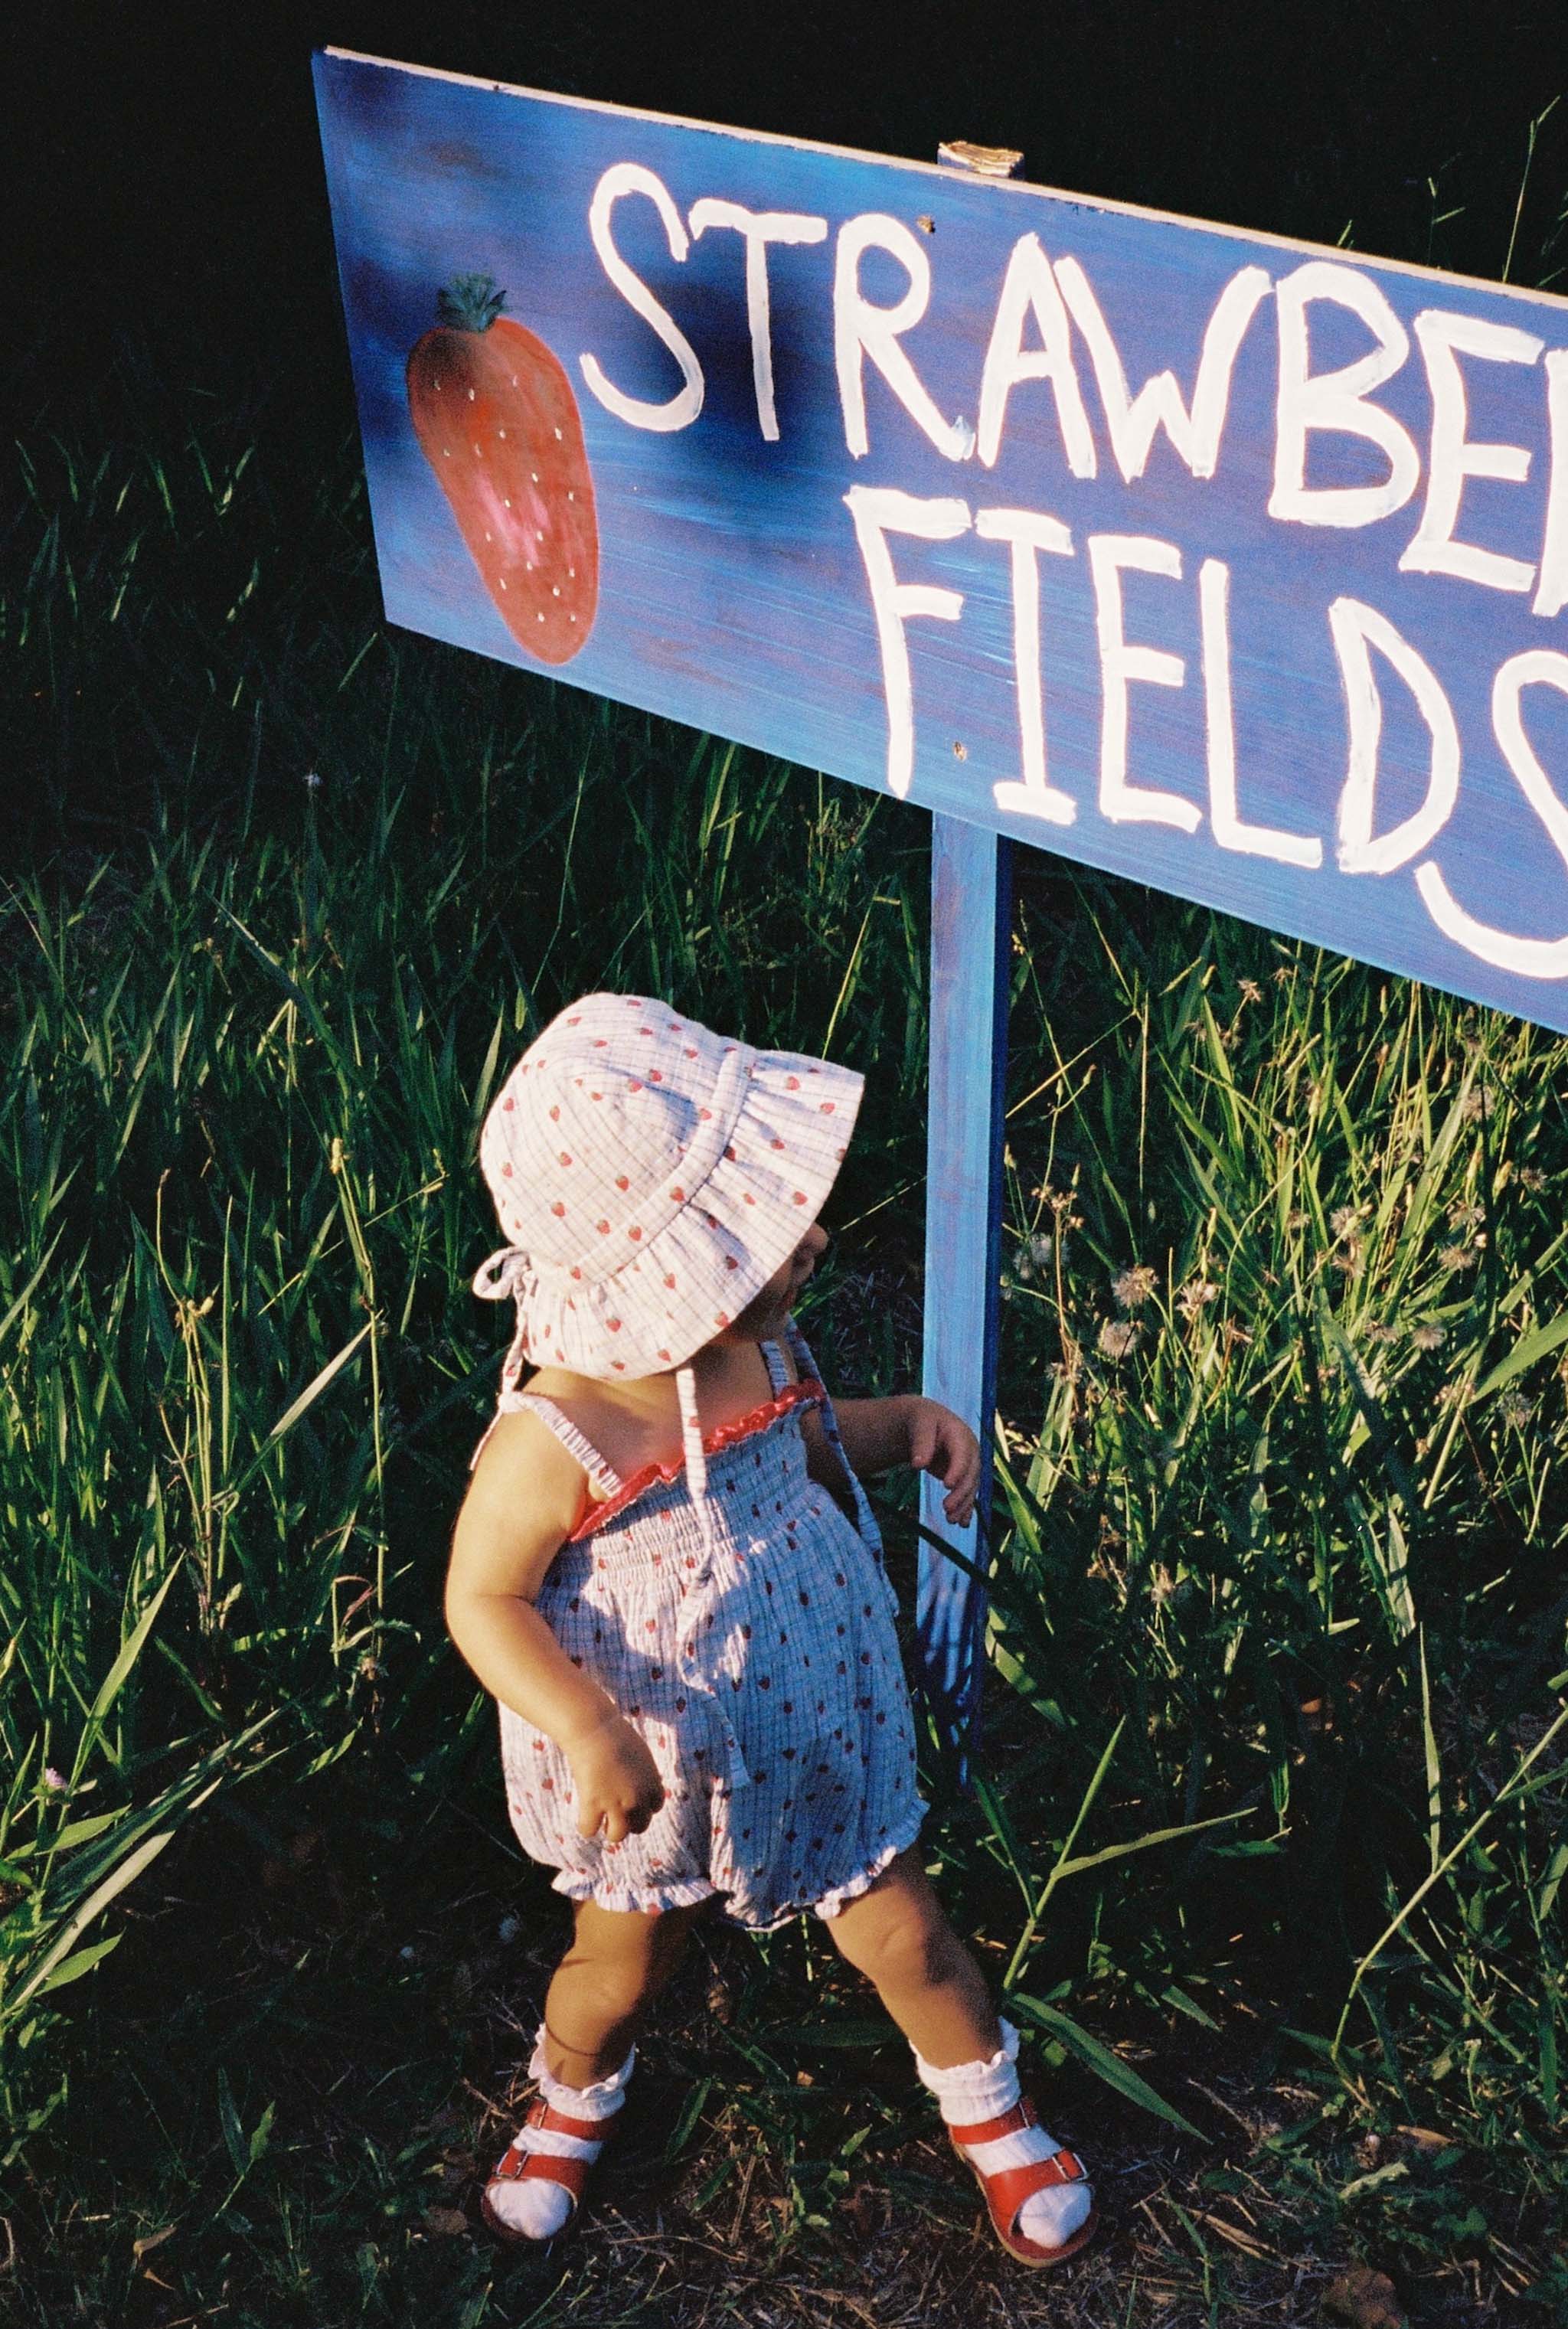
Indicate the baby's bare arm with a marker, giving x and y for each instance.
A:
(880, 1434)
(876, 1432)
(521, 1506)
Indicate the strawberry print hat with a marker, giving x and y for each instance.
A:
(650, 1177)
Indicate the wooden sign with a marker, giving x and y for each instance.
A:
(1231, 565)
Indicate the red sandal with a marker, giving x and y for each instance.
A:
(1006, 2188)
(569, 2173)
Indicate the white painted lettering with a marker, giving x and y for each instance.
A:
(1132, 421)
(682, 409)
(1338, 402)
(1230, 832)
(879, 511)
(861, 329)
(1120, 662)
(1552, 590)
(1029, 289)
(1432, 549)
(1530, 957)
(1357, 631)
(760, 228)
(1028, 533)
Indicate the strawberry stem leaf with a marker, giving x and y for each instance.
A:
(472, 304)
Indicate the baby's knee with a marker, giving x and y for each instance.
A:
(627, 1951)
(896, 1942)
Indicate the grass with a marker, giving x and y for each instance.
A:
(1273, 1817)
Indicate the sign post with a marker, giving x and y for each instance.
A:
(970, 969)
(971, 928)
(1226, 563)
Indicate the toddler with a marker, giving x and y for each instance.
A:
(666, 1572)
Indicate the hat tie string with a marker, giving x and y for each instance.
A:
(506, 1274)
(705, 1586)
(500, 1276)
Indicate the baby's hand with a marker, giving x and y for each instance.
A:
(615, 1779)
(940, 1442)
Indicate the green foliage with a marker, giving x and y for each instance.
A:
(1289, 1272)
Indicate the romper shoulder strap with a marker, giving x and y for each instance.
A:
(778, 1373)
(865, 1519)
(801, 1349)
(574, 1441)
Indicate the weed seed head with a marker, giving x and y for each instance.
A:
(1196, 1297)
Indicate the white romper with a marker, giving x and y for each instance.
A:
(743, 1624)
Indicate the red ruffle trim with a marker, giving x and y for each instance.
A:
(807, 1392)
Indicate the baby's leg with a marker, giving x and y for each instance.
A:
(897, 1934)
(617, 1962)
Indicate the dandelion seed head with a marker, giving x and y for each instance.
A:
(1429, 1335)
(1515, 1409)
(1117, 1338)
(1131, 1289)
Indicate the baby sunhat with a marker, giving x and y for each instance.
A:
(651, 1177)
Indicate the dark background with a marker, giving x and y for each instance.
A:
(166, 182)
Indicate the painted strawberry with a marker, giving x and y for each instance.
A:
(496, 420)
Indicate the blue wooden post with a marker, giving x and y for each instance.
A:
(971, 925)
(972, 930)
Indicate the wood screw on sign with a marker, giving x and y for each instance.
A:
(971, 931)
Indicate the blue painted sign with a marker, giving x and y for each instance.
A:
(1228, 563)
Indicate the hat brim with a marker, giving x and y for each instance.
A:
(695, 1277)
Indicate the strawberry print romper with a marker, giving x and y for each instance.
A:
(743, 1623)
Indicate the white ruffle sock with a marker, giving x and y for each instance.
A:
(534, 2205)
(971, 2092)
